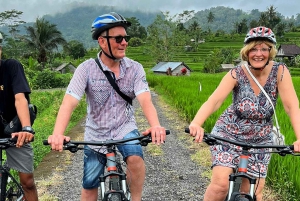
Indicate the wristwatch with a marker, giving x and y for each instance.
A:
(28, 129)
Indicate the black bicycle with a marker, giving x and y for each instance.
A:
(235, 179)
(11, 189)
(113, 184)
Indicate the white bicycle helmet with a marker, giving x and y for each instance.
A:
(107, 21)
(260, 33)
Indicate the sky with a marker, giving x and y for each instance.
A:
(37, 8)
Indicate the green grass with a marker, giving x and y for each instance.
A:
(48, 103)
(182, 93)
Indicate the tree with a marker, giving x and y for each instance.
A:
(43, 37)
(263, 20)
(195, 33)
(280, 29)
(210, 18)
(165, 36)
(75, 49)
(11, 20)
(272, 17)
(136, 29)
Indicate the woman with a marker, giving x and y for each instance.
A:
(249, 117)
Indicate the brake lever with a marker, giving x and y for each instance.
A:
(209, 140)
(146, 140)
(71, 147)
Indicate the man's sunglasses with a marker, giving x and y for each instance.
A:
(118, 39)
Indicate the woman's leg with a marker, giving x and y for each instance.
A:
(218, 187)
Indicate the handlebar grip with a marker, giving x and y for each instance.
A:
(45, 142)
(168, 132)
(187, 130)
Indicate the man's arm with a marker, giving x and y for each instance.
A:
(21, 105)
(158, 133)
(68, 105)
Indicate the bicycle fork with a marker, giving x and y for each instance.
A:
(117, 180)
(235, 180)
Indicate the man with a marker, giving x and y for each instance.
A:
(109, 116)
(14, 99)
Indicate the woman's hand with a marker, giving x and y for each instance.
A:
(196, 131)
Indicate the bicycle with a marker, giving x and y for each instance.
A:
(10, 188)
(235, 178)
(113, 183)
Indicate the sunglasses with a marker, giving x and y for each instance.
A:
(118, 39)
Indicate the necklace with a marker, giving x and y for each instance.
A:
(261, 69)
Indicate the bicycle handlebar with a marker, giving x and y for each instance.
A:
(144, 140)
(7, 142)
(211, 139)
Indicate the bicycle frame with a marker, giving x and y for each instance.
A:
(235, 180)
(117, 178)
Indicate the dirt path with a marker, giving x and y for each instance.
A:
(171, 175)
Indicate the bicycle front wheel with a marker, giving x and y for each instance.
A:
(14, 191)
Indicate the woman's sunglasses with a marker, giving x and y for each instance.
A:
(118, 39)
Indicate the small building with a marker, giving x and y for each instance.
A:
(66, 68)
(171, 68)
(289, 51)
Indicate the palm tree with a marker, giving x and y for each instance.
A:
(43, 37)
(210, 18)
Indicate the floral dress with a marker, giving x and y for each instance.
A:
(248, 119)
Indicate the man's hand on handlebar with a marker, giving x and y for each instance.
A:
(23, 138)
(158, 134)
(196, 131)
(56, 141)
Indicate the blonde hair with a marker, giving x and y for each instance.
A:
(246, 49)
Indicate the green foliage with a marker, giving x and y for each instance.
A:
(217, 57)
(48, 103)
(75, 49)
(136, 29)
(135, 42)
(48, 79)
(11, 18)
(43, 37)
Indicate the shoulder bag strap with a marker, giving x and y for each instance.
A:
(265, 93)
(113, 83)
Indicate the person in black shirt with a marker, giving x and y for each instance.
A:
(14, 99)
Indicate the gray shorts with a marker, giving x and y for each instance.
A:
(20, 159)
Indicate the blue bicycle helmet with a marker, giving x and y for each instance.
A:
(260, 33)
(108, 21)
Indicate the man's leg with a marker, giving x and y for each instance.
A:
(27, 182)
(136, 176)
(89, 194)
(93, 167)
(133, 155)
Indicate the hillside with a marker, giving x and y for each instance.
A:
(75, 22)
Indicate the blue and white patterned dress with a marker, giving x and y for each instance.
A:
(247, 119)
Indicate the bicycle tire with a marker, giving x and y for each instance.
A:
(237, 196)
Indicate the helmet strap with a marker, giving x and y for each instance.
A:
(261, 69)
(111, 56)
